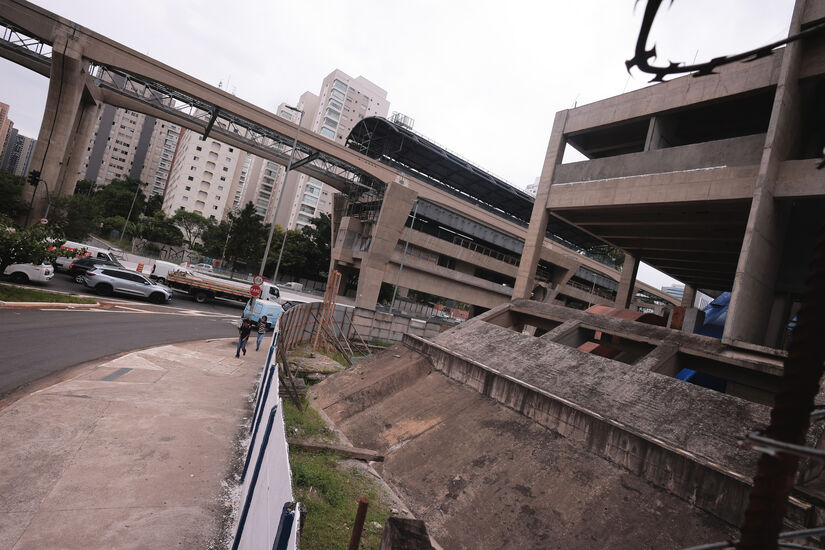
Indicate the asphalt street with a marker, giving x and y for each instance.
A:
(36, 344)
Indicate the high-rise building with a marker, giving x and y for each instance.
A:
(6, 126)
(11, 152)
(341, 104)
(25, 145)
(159, 155)
(203, 176)
(129, 144)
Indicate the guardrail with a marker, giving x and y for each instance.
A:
(266, 481)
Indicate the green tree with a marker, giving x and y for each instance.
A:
(192, 225)
(33, 245)
(85, 187)
(76, 215)
(11, 195)
(159, 228)
(247, 237)
(319, 235)
(116, 198)
(213, 238)
(154, 204)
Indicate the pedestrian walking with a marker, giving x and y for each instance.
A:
(243, 337)
(261, 331)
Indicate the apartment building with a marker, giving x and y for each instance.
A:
(202, 176)
(342, 102)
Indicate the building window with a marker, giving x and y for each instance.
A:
(338, 95)
(332, 113)
(326, 132)
(340, 85)
(331, 123)
(191, 178)
(335, 104)
(198, 148)
(188, 188)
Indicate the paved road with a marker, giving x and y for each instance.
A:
(37, 343)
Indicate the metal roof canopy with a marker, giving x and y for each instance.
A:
(393, 144)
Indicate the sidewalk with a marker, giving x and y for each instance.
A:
(130, 453)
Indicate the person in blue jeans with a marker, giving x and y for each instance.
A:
(243, 337)
(261, 331)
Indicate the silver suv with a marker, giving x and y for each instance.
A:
(105, 280)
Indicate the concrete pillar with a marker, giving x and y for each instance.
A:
(694, 319)
(534, 240)
(689, 297)
(66, 83)
(395, 209)
(754, 286)
(86, 118)
(627, 283)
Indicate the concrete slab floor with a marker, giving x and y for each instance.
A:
(134, 460)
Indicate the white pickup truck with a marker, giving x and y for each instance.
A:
(23, 273)
(71, 250)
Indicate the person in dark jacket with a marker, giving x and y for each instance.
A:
(243, 337)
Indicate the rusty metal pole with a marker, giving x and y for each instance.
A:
(360, 516)
(790, 417)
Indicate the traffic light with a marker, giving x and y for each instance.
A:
(34, 177)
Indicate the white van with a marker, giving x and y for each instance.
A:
(71, 250)
(162, 269)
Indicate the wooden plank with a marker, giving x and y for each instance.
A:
(350, 452)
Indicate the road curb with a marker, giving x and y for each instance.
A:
(46, 305)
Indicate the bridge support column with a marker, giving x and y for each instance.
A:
(754, 286)
(689, 296)
(395, 209)
(84, 126)
(66, 84)
(627, 284)
(534, 240)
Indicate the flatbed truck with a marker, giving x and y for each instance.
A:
(204, 288)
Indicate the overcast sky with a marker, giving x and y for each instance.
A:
(482, 78)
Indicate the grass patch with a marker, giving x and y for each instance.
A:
(329, 491)
(306, 425)
(10, 293)
(331, 496)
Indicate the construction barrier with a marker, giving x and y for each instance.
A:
(269, 516)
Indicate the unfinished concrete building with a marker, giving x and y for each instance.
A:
(710, 179)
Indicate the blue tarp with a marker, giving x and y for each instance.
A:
(716, 313)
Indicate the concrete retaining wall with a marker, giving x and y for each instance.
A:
(720, 492)
(375, 325)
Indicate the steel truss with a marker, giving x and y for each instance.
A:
(218, 123)
(17, 40)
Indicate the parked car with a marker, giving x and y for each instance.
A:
(205, 268)
(80, 266)
(23, 273)
(107, 280)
